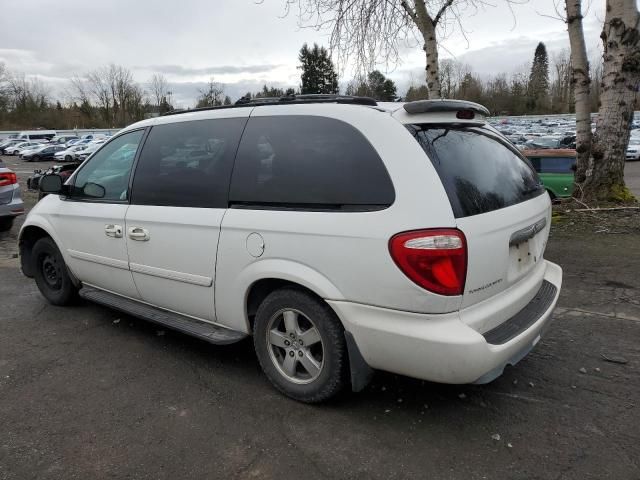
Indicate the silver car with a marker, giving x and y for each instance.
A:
(11, 204)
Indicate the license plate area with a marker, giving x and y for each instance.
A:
(523, 257)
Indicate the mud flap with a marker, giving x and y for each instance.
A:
(361, 372)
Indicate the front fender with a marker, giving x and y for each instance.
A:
(36, 220)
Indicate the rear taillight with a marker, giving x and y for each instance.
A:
(434, 259)
(8, 178)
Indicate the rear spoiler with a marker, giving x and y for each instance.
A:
(432, 106)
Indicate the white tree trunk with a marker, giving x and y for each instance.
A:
(432, 68)
(427, 26)
(620, 82)
(582, 85)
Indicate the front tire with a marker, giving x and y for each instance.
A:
(67, 158)
(51, 274)
(301, 347)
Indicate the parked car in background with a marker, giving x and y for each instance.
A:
(543, 142)
(63, 139)
(89, 149)
(68, 154)
(8, 144)
(19, 147)
(11, 204)
(556, 168)
(78, 142)
(37, 134)
(93, 136)
(342, 235)
(633, 150)
(44, 152)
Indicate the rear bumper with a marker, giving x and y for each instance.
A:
(442, 348)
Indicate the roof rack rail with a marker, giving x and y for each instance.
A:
(287, 100)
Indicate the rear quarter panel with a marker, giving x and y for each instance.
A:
(339, 255)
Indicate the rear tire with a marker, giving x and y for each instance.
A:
(6, 223)
(67, 158)
(301, 347)
(50, 273)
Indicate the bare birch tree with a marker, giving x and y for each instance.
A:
(601, 157)
(581, 86)
(159, 89)
(374, 31)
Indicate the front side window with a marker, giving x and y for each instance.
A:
(106, 176)
(187, 164)
(304, 162)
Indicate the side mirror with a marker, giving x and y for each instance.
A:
(51, 184)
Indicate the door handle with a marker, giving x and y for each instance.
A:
(114, 231)
(138, 233)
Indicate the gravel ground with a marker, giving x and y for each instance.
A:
(86, 392)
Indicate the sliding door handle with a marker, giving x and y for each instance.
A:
(114, 231)
(139, 234)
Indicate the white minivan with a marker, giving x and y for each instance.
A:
(43, 135)
(342, 235)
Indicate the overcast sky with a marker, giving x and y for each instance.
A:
(239, 42)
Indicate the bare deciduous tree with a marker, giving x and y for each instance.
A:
(159, 89)
(374, 31)
(212, 96)
(601, 157)
(113, 91)
(581, 85)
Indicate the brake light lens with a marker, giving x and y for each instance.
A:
(434, 259)
(8, 178)
(465, 114)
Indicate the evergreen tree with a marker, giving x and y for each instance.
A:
(539, 80)
(376, 86)
(318, 72)
(416, 93)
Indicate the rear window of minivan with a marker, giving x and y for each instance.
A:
(479, 171)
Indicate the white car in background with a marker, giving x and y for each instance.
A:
(633, 149)
(68, 154)
(20, 147)
(89, 149)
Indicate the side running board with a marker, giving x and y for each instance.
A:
(203, 330)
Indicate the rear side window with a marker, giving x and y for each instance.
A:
(479, 172)
(187, 164)
(557, 164)
(308, 162)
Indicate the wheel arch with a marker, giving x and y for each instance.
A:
(29, 235)
(33, 230)
(360, 373)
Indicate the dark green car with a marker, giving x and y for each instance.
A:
(556, 168)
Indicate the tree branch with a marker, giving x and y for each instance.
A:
(409, 11)
(441, 12)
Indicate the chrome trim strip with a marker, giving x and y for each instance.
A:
(527, 233)
(172, 275)
(89, 257)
